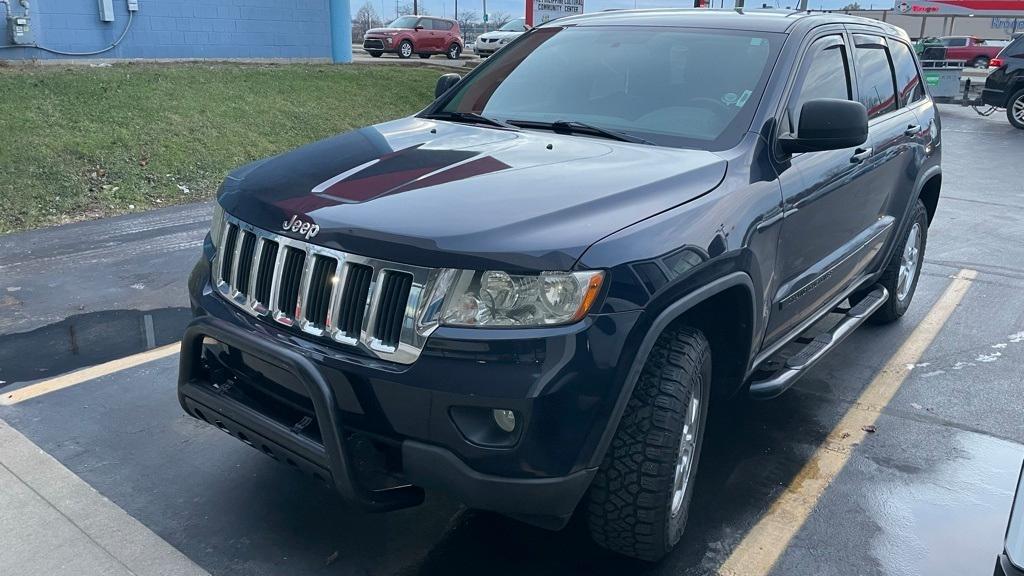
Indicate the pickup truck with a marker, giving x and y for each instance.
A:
(975, 52)
(536, 293)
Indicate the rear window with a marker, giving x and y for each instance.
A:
(1016, 48)
(874, 75)
(908, 80)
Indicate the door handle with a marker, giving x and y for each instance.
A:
(912, 130)
(860, 155)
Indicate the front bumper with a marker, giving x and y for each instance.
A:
(260, 382)
(378, 44)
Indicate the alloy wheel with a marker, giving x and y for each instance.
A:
(909, 262)
(687, 448)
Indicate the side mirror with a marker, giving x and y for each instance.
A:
(828, 124)
(417, 27)
(444, 83)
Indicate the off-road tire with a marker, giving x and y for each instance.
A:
(894, 308)
(1018, 96)
(629, 505)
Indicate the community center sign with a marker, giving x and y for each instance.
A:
(541, 11)
(961, 7)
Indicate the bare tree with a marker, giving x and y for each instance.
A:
(467, 20)
(408, 8)
(365, 18)
(499, 19)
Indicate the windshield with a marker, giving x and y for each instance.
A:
(671, 86)
(517, 25)
(404, 22)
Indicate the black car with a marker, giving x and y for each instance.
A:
(1004, 87)
(1011, 561)
(529, 294)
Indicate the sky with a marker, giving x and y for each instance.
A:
(518, 7)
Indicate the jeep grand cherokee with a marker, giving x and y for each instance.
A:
(529, 294)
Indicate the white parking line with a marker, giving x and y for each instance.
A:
(761, 548)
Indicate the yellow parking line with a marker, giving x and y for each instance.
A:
(761, 548)
(73, 378)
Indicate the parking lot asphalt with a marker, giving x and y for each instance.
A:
(926, 492)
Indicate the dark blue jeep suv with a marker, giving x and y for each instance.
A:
(529, 294)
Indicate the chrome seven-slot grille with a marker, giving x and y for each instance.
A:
(353, 300)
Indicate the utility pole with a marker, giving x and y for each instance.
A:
(415, 7)
(485, 16)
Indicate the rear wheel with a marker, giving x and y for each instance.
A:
(640, 497)
(904, 268)
(405, 49)
(1015, 110)
(980, 62)
(454, 51)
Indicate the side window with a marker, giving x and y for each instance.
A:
(1016, 48)
(908, 79)
(825, 73)
(442, 25)
(874, 75)
(955, 42)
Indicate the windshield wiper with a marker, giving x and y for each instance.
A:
(468, 117)
(575, 127)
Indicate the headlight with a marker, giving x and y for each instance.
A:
(495, 299)
(217, 225)
(503, 41)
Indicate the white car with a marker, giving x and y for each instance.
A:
(489, 43)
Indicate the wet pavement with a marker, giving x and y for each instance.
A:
(927, 493)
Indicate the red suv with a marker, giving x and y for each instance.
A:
(423, 35)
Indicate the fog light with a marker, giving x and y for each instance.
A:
(505, 419)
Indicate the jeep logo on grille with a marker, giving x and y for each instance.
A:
(307, 229)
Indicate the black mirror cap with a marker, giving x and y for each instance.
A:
(444, 83)
(829, 124)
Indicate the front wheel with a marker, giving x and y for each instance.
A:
(405, 49)
(640, 497)
(454, 51)
(1015, 110)
(980, 62)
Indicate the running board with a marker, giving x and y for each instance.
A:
(797, 365)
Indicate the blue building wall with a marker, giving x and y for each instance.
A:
(181, 29)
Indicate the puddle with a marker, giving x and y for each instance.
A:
(86, 340)
(950, 521)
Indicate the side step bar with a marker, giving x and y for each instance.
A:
(798, 364)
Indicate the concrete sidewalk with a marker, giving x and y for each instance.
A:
(54, 524)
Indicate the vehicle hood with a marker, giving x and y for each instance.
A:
(442, 194)
(385, 30)
(497, 35)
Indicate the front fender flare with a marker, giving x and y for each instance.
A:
(668, 315)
